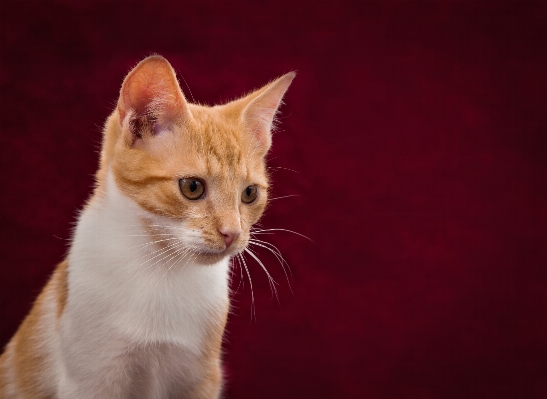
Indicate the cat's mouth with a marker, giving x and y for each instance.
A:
(209, 258)
(212, 256)
(190, 244)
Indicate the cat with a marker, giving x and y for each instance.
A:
(138, 307)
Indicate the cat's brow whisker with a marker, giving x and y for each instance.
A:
(271, 159)
(284, 196)
(249, 148)
(280, 167)
(188, 87)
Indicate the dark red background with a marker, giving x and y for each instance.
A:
(418, 133)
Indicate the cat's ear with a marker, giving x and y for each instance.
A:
(150, 99)
(259, 113)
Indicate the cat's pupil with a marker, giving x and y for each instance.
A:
(193, 186)
(249, 191)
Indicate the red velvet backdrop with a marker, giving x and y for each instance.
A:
(415, 136)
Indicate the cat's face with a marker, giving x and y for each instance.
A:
(202, 181)
(198, 172)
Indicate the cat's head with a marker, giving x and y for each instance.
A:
(198, 172)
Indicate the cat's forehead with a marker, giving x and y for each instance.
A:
(217, 146)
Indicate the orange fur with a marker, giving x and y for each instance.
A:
(28, 355)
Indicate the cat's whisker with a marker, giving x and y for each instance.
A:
(153, 269)
(145, 255)
(178, 253)
(240, 273)
(165, 260)
(274, 250)
(173, 255)
(266, 231)
(253, 313)
(269, 244)
(148, 235)
(160, 227)
(177, 260)
(153, 242)
(270, 279)
(255, 257)
(168, 250)
(165, 241)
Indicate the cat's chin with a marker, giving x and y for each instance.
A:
(211, 258)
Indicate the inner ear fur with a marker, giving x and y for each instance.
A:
(262, 105)
(151, 98)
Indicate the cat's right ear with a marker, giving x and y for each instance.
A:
(261, 109)
(150, 100)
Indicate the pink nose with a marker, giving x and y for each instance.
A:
(229, 236)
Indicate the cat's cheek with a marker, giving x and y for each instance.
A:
(253, 213)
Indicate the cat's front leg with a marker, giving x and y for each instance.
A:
(91, 383)
(210, 387)
(92, 366)
(70, 389)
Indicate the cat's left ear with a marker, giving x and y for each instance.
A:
(259, 113)
(150, 99)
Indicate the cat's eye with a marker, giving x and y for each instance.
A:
(249, 194)
(192, 188)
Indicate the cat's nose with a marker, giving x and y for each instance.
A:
(229, 236)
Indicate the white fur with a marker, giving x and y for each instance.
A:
(135, 319)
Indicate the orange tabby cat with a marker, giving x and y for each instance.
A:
(138, 308)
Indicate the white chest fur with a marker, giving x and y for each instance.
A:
(126, 292)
